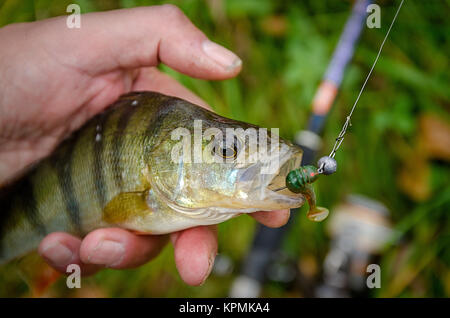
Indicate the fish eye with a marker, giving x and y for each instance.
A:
(228, 152)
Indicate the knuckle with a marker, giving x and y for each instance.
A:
(173, 12)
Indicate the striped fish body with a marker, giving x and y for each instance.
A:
(117, 171)
(69, 190)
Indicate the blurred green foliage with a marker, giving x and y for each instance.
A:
(285, 47)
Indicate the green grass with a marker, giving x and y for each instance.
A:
(282, 66)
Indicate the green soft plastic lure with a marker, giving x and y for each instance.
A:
(299, 181)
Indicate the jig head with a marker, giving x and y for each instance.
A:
(297, 179)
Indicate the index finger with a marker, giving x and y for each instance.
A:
(137, 37)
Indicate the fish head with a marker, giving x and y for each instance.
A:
(206, 162)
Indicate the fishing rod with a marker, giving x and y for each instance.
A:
(267, 241)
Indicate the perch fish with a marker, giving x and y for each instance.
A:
(118, 171)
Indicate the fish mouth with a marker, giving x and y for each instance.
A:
(278, 182)
(275, 194)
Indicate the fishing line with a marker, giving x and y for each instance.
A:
(298, 179)
(347, 123)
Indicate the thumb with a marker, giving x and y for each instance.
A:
(138, 37)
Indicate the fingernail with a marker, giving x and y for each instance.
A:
(227, 59)
(58, 254)
(107, 253)
(211, 259)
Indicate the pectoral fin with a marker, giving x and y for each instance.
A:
(126, 206)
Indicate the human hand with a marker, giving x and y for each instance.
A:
(54, 79)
